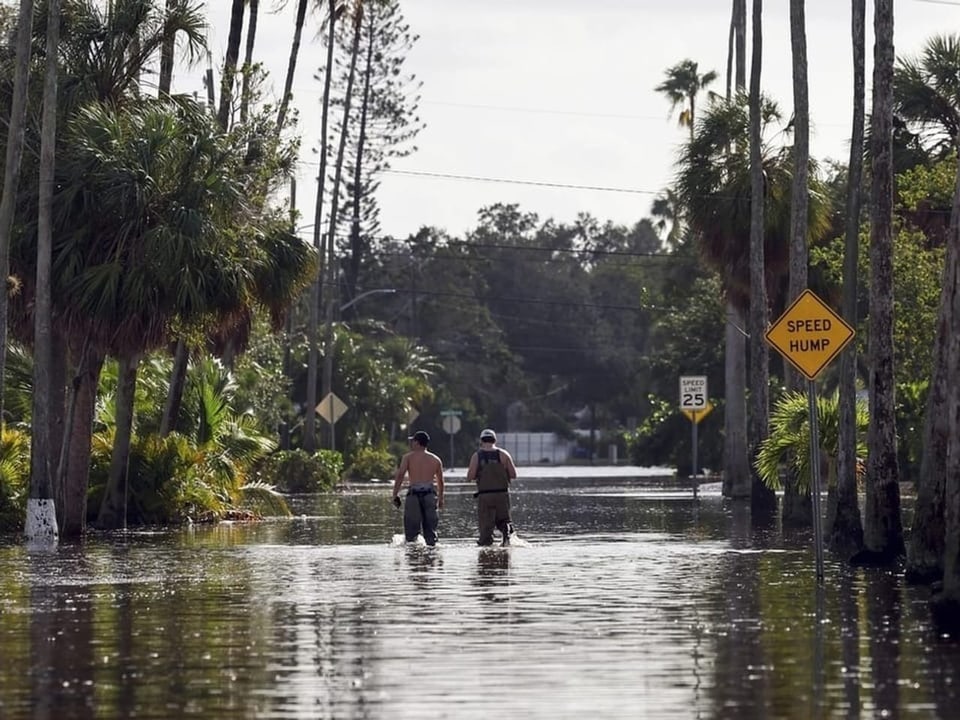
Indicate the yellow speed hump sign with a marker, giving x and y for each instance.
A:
(809, 334)
(695, 416)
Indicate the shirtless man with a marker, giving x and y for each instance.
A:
(425, 493)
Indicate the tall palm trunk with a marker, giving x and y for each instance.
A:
(883, 531)
(313, 329)
(165, 77)
(926, 550)
(763, 499)
(844, 527)
(11, 173)
(330, 294)
(356, 250)
(248, 59)
(74, 466)
(113, 508)
(230, 62)
(291, 65)
(178, 381)
(797, 507)
(946, 605)
(736, 464)
(41, 523)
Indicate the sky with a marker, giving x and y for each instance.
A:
(561, 92)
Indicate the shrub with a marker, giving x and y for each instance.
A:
(372, 463)
(297, 471)
(788, 444)
(14, 478)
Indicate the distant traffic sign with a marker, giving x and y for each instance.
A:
(451, 424)
(331, 408)
(695, 416)
(693, 392)
(809, 334)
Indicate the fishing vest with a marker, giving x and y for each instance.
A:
(492, 474)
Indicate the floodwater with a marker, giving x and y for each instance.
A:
(623, 602)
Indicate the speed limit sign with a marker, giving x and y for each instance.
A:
(693, 392)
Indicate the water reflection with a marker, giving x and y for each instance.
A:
(624, 604)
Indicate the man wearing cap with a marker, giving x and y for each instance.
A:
(425, 491)
(493, 470)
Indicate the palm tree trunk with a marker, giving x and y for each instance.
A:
(356, 251)
(844, 526)
(736, 464)
(797, 505)
(248, 59)
(926, 550)
(178, 381)
(883, 531)
(74, 466)
(730, 50)
(313, 329)
(330, 294)
(291, 65)
(41, 524)
(114, 505)
(763, 499)
(740, 10)
(946, 605)
(11, 173)
(230, 62)
(165, 78)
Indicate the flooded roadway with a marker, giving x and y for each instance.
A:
(626, 603)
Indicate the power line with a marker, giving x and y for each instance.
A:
(535, 183)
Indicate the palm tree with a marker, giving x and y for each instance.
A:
(844, 526)
(763, 500)
(11, 171)
(684, 82)
(926, 93)
(883, 531)
(714, 187)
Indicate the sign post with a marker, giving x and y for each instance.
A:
(694, 404)
(331, 409)
(810, 335)
(451, 426)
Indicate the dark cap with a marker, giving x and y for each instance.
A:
(421, 437)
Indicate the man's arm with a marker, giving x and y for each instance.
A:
(401, 471)
(439, 475)
(511, 468)
(472, 470)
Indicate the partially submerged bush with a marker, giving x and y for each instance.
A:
(297, 471)
(372, 463)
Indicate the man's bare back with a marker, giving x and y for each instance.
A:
(424, 469)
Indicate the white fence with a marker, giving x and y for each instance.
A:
(535, 448)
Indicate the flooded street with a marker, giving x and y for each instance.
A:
(624, 603)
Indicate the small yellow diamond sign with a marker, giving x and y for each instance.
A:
(331, 408)
(695, 416)
(809, 334)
